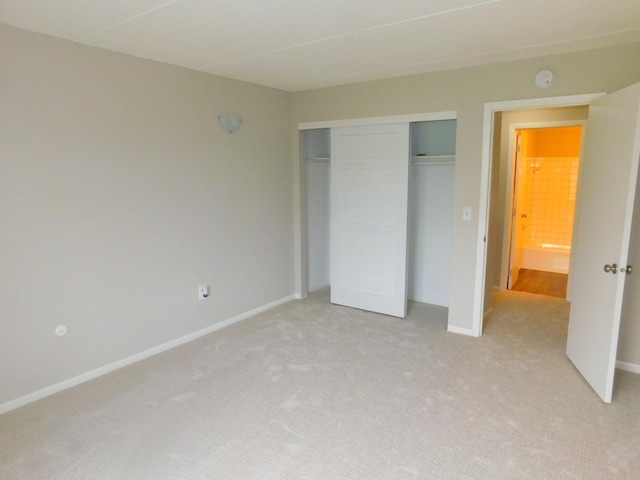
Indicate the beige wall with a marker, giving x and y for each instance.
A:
(466, 91)
(629, 340)
(119, 195)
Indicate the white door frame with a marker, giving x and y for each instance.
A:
(357, 122)
(490, 108)
(508, 274)
(506, 233)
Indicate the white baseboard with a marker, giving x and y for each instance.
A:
(98, 372)
(462, 331)
(629, 367)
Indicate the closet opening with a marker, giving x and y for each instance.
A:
(430, 208)
(317, 147)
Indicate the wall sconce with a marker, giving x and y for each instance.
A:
(230, 122)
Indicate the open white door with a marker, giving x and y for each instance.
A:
(518, 213)
(369, 200)
(606, 198)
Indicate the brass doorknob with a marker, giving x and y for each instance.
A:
(627, 270)
(611, 268)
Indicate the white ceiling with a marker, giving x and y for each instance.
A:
(297, 45)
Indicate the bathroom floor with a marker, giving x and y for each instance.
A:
(542, 283)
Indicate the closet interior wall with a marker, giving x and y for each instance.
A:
(317, 150)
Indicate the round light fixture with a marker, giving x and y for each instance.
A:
(544, 79)
(231, 122)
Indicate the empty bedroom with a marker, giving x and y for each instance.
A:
(269, 240)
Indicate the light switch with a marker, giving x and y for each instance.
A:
(466, 214)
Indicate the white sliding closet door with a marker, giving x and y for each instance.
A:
(369, 199)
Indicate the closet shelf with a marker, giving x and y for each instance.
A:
(319, 160)
(417, 160)
(433, 160)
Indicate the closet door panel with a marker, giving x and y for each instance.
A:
(369, 199)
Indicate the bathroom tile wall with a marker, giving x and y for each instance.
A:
(550, 186)
(549, 183)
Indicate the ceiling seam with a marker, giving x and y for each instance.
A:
(348, 34)
(354, 76)
(87, 36)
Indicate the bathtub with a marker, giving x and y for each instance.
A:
(547, 257)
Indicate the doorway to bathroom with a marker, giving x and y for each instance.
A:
(543, 202)
(545, 136)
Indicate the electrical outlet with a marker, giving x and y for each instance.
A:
(203, 292)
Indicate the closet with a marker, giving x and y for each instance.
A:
(431, 165)
(317, 147)
(432, 170)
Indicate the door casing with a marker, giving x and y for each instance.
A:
(490, 109)
(301, 287)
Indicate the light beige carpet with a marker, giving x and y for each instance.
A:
(315, 391)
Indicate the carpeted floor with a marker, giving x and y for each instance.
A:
(315, 391)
